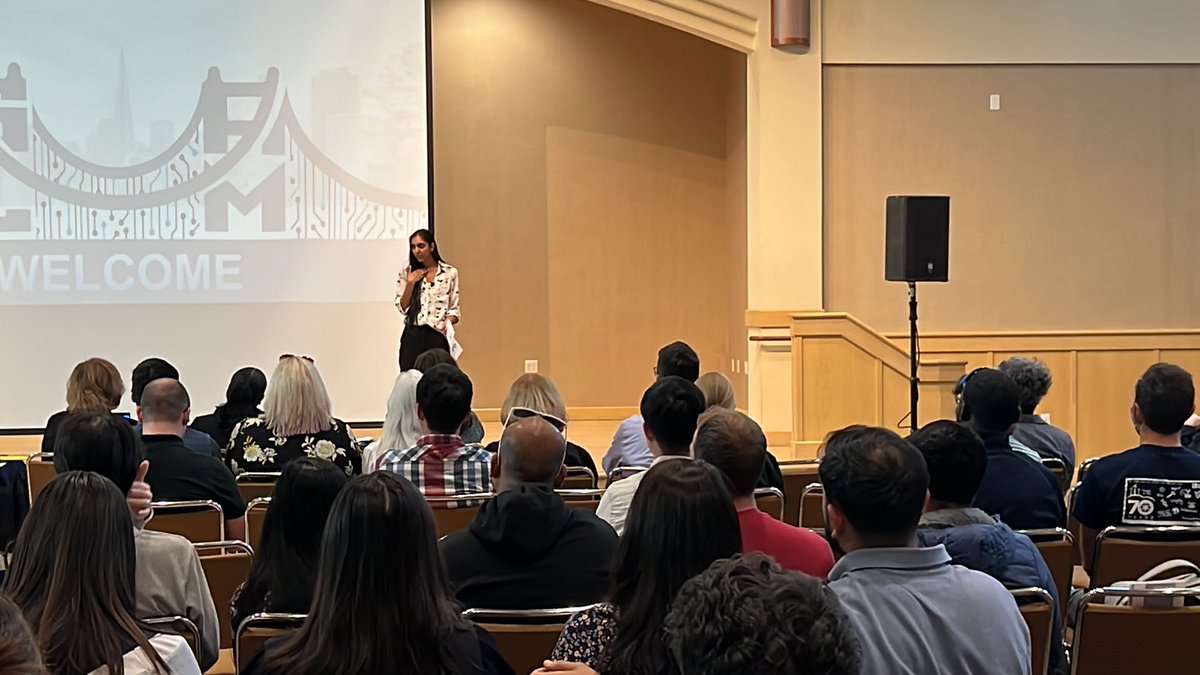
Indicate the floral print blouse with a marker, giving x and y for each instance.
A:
(439, 298)
(586, 637)
(253, 447)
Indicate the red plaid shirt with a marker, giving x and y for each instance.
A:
(443, 466)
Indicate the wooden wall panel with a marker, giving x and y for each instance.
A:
(1105, 390)
(854, 398)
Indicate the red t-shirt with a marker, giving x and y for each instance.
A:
(794, 548)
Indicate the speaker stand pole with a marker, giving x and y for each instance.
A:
(913, 381)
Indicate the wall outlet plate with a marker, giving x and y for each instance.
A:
(531, 365)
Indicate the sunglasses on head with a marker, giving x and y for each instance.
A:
(296, 356)
(525, 413)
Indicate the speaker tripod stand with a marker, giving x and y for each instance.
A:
(914, 380)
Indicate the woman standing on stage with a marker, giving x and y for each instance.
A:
(427, 295)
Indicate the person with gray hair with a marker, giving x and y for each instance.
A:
(1033, 379)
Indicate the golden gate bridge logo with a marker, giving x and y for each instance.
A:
(260, 164)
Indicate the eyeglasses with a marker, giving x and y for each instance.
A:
(296, 356)
(517, 413)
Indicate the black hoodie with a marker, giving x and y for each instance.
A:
(526, 549)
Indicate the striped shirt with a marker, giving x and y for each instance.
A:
(443, 466)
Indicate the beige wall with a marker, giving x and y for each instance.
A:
(1011, 31)
(583, 188)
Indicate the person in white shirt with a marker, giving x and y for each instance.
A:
(72, 573)
(670, 408)
(427, 296)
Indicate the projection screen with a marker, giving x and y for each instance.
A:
(215, 183)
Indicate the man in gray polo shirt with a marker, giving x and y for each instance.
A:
(916, 612)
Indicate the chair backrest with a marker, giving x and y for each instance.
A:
(256, 629)
(579, 478)
(451, 520)
(1037, 608)
(254, 485)
(1057, 547)
(1125, 553)
(796, 475)
(40, 468)
(525, 637)
(770, 501)
(582, 499)
(812, 507)
(178, 625)
(1073, 525)
(1059, 469)
(624, 472)
(198, 521)
(1084, 467)
(1133, 639)
(226, 566)
(256, 515)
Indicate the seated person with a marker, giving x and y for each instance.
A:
(472, 431)
(1126, 489)
(72, 573)
(957, 461)
(94, 386)
(441, 464)
(670, 408)
(401, 426)
(746, 616)
(736, 445)
(284, 570)
(1023, 493)
(916, 612)
(18, 651)
(535, 394)
(242, 397)
(297, 421)
(1033, 379)
(169, 579)
(176, 474)
(527, 549)
(153, 369)
(719, 394)
(629, 446)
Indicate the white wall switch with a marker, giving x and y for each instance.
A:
(531, 365)
(994, 102)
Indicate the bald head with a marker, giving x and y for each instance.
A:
(164, 402)
(531, 453)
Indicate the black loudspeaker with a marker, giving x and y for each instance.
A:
(918, 239)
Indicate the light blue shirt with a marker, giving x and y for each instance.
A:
(629, 446)
(917, 614)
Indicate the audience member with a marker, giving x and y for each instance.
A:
(1033, 379)
(916, 612)
(747, 616)
(718, 391)
(527, 549)
(472, 431)
(169, 579)
(72, 575)
(175, 473)
(401, 426)
(242, 397)
(155, 369)
(736, 445)
(1022, 492)
(381, 604)
(297, 421)
(1125, 489)
(670, 408)
(285, 561)
(535, 395)
(957, 460)
(678, 525)
(94, 386)
(441, 464)
(18, 650)
(629, 446)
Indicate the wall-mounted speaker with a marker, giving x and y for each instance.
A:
(918, 238)
(791, 24)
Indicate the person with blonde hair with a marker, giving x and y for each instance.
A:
(94, 386)
(534, 395)
(718, 390)
(401, 426)
(297, 421)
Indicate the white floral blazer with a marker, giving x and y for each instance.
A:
(253, 447)
(439, 298)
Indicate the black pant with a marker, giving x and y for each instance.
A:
(416, 341)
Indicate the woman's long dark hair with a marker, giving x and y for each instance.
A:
(414, 304)
(682, 519)
(382, 603)
(242, 397)
(72, 576)
(285, 563)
